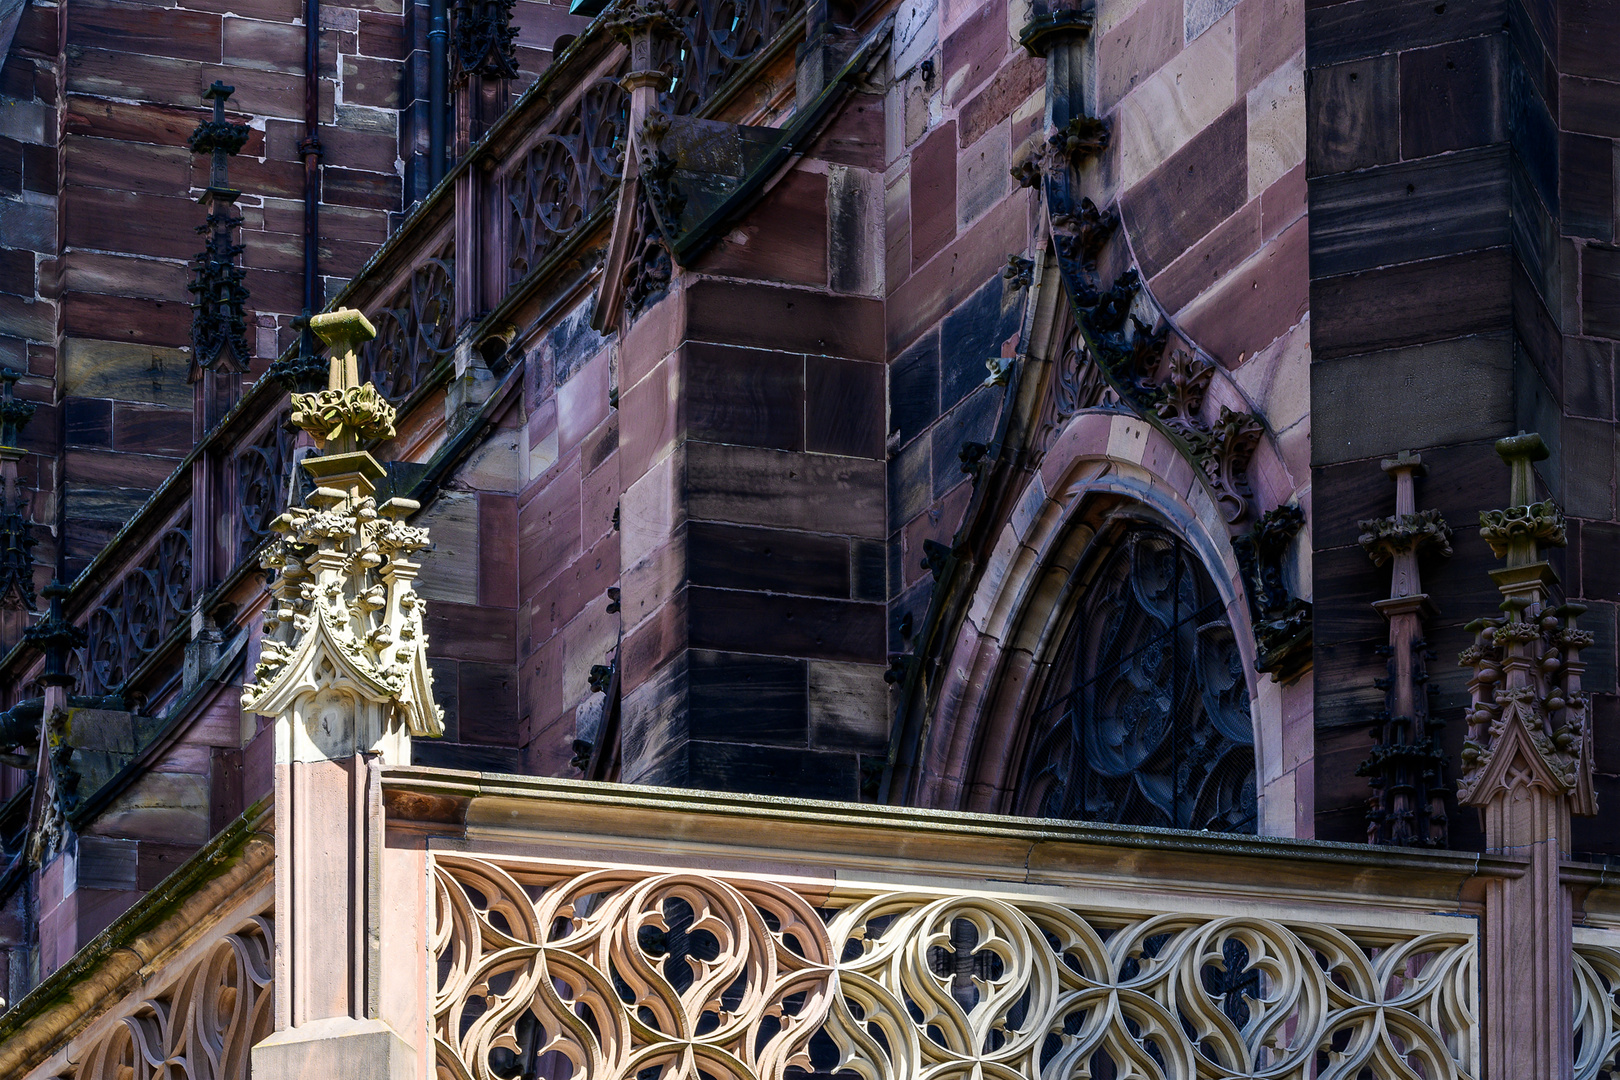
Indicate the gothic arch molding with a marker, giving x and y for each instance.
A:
(1019, 606)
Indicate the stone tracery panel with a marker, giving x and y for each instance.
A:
(416, 328)
(137, 615)
(619, 972)
(201, 1024)
(1597, 1006)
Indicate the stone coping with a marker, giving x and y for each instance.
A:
(490, 812)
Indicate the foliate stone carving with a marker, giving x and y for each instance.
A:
(1081, 139)
(618, 971)
(1420, 532)
(1540, 523)
(1282, 621)
(1528, 721)
(343, 657)
(356, 412)
(483, 39)
(1407, 768)
(1081, 236)
(1076, 383)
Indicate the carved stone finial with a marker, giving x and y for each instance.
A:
(1519, 532)
(56, 638)
(347, 412)
(1528, 721)
(1407, 766)
(219, 320)
(343, 658)
(483, 39)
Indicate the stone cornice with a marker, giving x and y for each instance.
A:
(649, 823)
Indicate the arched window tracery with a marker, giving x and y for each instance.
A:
(1144, 719)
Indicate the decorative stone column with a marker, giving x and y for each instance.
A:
(1527, 766)
(1407, 766)
(343, 671)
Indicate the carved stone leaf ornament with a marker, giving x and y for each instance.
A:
(618, 971)
(343, 655)
(1126, 335)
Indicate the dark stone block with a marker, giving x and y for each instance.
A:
(11, 171)
(1585, 37)
(1255, 305)
(1210, 259)
(910, 481)
(88, 422)
(1453, 96)
(1537, 332)
(488, 696)
(1588, 378)
(973, 334)
(1589, 106)
(1586, 186)
(975, 49)
(732, 621)
(141, 430)
(933, 193)
(772, 770)
(750, 699)
(765, 316)
(447, 695)
(1600, 291)
(843, 407)
(868, 569)
(1599, 677)
(1587, 450)
(785, 235)
(1394, 306)
(1335, 33)
(749, 397)
(914, 388)
(767, 560)
(974, 420)
(1600, 566)
(151, 31)
(1410, 211)
(1354, 111)
(1534, 135)
(438, 754)
(1196, 189)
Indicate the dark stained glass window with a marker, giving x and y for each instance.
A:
(1145, 718)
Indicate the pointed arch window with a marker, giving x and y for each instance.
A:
(1145, 715)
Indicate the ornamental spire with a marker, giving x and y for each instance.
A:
(343, 658)
(218, 323)
(1528, 722)
(1407, 766)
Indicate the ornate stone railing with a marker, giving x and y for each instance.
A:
(620, 970)
(735, 939)
(179, 985)
(1597, 1003)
